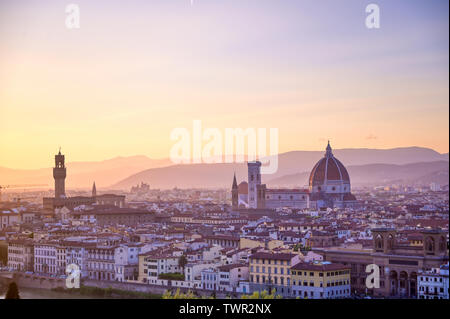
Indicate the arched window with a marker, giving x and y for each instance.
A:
(390, 242)
(379, 242)
(429, 244)
(442, 244)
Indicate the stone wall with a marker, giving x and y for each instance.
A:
(153, 289)
(34, 281)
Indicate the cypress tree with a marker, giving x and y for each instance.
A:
(13, 291)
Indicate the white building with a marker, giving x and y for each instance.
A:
(45, 258)
(61, 260)
(210, 279)
(20, 255)
(193, 271)
(153, 264)
(76, 253)
(100, 263)
(126, 262)
(231, 275)
(434, 187)
(433, 284)
(8, 218)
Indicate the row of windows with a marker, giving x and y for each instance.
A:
(209, 277)
(47, 261)
(101, 256)
(321, 274)
(273, 280)
(329, 284)
(431, 290)
(432, 297)
(431, 279)
(101, 266)
(269, 270)
(42, 252)
(269, 261)
(15, 251)
(332, 293)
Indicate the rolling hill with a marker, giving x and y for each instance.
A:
(293, 168)
(367, 166)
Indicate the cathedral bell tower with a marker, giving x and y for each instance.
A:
(59, 174)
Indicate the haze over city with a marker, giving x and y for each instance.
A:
(225, 150)
(120, 83)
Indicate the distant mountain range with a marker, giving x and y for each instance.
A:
(366, 166)
(294, 168)
(379, 174)
(83, 174)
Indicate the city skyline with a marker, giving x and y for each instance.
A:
(167, 161)
(225, 151)
(122, 82)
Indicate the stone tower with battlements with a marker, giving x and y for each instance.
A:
(59, 174)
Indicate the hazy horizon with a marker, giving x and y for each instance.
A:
(131, 74)
(68, 161)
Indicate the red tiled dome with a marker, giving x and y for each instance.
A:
(328, 168)
(243, 188)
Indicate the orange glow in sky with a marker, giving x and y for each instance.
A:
(118, 85)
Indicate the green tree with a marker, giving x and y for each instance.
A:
(13, 291)
(182, 261)
(262, 295)
(171, 276)
(179, 295)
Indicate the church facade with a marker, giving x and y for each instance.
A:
(329, 187)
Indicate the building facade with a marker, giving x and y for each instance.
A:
(398, 264)
(21, 255)
(46, 258)
(271, 272)
(126, 262)
(433, 284)
(329, 186)
(320, 280)
(100, 263)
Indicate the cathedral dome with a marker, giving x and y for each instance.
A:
(329, 171)
(243, 188)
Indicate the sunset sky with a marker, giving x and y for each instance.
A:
(136, 70)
